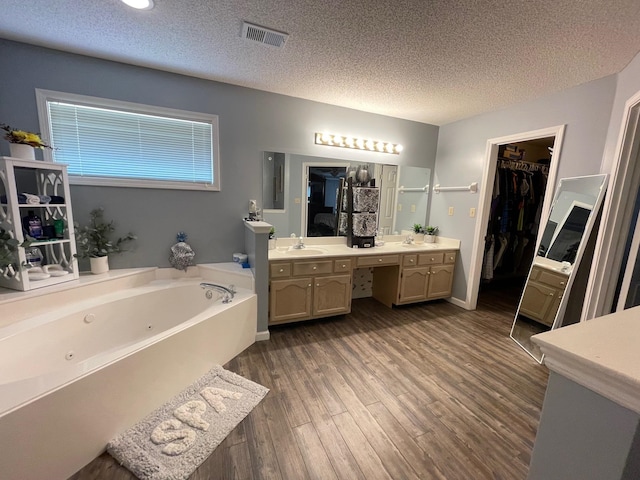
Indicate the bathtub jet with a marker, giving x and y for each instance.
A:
(227, 292)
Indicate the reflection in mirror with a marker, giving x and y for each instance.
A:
(293, 215)
(273, 165)
(573, 211)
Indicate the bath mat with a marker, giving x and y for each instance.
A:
(172, 441)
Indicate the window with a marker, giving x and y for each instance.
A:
(108, 142)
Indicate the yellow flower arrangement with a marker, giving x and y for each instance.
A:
(20, 136)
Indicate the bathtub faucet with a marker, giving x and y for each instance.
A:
(228, 292)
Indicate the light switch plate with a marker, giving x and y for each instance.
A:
(472, 212)
(450, 211)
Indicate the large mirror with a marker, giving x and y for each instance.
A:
(299, 193)
(573, 213)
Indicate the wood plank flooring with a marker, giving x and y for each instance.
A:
(427, 391)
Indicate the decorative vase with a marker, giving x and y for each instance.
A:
(419, 237)
(430, 239)
(99, 265)
(23, 151)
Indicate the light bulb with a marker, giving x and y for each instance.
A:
(380, 146)
(370, 145)
(139, 4)
(399, 148)
(318, 138)
(389, 148)
(360, 143)
(349, 142)
(326, 138)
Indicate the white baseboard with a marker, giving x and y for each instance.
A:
(459, 303)
(262, 336)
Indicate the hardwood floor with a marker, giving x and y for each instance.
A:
(425, 391)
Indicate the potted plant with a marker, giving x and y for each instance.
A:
(272, 238)
(94, 241)
(430, 234)
(21, 143)
(418, 233)
(8, 248)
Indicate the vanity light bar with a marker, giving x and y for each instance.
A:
(347, 141)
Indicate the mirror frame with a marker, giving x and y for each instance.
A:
(581, 248)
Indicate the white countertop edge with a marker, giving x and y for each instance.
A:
(258, 227)
(615, 386)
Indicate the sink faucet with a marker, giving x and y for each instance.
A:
(408, 240)
(300, 244)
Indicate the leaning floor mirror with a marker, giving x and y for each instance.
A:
(573, 213)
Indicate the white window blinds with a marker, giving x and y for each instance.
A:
(127, 147)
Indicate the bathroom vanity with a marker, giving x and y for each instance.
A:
(317, 281)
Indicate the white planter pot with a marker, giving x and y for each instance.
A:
(429, 239)
(418, 237)
(99, 265)
(20, 150)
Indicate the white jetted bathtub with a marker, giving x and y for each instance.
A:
(74, 377)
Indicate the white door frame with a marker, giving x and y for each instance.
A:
(617, 213)
(486, 190)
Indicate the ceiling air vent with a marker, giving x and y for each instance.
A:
(263, 35)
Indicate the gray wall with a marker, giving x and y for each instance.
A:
(250, 121)
(583, 435)
(585, 110)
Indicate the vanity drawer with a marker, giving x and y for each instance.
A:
(552, 279)
(280, 270)
(373, 260)
(449, 257)
(431, 258)
(312, 268)
(343, 265)
(410, 260)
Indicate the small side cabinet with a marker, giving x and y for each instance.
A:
(426, 276)
(302, 290)
(542, 295)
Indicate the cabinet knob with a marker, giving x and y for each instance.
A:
(281, 270)
(317, 284)
(315, 268)
(432, 259)
(551, 294)
(379, 259)
(450, 258)
(411, 260)
(429, 272)
(309, 285)
(562, 284)
(344, 266)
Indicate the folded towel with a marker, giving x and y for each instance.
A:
(21, 199)
(44, 198)
(32, 199)
(56, 200)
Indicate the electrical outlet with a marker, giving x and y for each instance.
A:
(413, 209)
(450, 211)
(472, 212)
(296, 200)
(399, 207)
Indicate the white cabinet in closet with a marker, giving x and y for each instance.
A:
(37, 179)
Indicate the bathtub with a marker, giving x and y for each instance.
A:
(73, 378)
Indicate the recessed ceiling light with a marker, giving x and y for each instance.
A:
(139, 4)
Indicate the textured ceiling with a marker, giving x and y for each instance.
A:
(433, 61)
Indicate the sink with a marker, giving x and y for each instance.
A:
(411, 245)
(305, 251)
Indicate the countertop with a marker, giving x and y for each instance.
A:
(336, 247)
(602, 354)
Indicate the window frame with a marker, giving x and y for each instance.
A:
(44, 96)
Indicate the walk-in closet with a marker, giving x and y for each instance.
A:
(520, 182)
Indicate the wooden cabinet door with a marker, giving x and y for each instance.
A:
(413, 284)
(290, 300)
(440, 281)
(332, 295)
(538, 301)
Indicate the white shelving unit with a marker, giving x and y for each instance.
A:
(38, 178)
